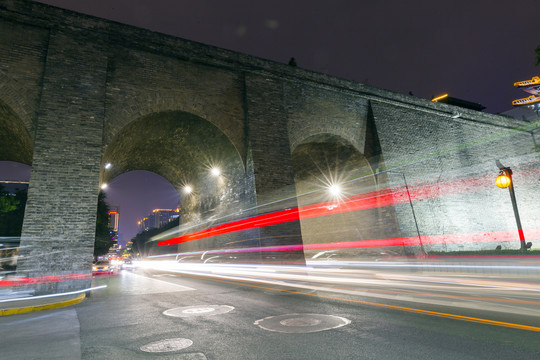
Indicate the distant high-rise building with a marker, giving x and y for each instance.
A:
(158, 218)
(114, 221)
(114, 218)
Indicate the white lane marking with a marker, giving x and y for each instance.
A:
(140, 285)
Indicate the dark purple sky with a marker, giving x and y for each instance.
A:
(472, 49)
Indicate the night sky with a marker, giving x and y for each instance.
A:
(473, 50)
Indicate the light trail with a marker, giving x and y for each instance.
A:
(365, 201)
(494, 236)
(54, 295)
(47, 279)
(250, 276)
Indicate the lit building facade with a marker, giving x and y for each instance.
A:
(158, 218)
(114, 221)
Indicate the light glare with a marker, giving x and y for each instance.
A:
(335, 190)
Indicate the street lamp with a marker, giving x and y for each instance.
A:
(504, 180)
(335, 190)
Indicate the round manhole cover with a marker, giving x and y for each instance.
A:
(198, 310)
(301, 323)
(167, 345)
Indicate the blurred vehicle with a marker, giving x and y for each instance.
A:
(188, 258)
(102, 266)
(127, 265)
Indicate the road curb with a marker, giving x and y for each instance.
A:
(27, 309)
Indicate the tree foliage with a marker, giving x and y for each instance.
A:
(12, 208)
(12, 211)
(104, 237)
(140, 241)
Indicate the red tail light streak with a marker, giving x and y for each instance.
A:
(370, 200)
(44, 279)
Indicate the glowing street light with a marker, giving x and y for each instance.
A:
(188, 189)
(108, 166)
(104, 186)
(335, 190)
(215, 171)
(504, 180)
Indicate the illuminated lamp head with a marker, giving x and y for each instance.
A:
(215, 171)
(503, 181)
(104, 186)
(335, 190)
(188, 189)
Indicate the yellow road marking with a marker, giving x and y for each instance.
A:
(27, 309)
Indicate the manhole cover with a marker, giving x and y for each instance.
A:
(301, 323)
(167, 345)
(198, 310)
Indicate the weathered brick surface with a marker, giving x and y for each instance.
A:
(82, 91)
(272, 163)
(314, 110)
(62, 197)
(449, 165)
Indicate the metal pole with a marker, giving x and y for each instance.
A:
(516, 212)
(508, 172)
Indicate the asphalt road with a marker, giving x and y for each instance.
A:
(161, 314)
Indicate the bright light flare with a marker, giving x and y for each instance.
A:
(108, 166)
(188, 189)
(215, 171)
(335, 190)
(104, 186)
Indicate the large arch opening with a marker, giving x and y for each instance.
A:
(16, 150)
(135, 199)
(197, 159)
(332, 172)
(16, 144)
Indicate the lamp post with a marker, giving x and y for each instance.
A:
(504, 180)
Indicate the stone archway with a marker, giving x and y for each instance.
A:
(16, 144)
(184, 148)
(322, 164)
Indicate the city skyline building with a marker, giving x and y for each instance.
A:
(114, 222)
(158, 218)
